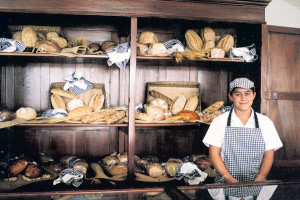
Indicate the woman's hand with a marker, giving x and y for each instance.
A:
(229, 179)
(259, 178)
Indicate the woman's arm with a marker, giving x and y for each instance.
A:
(265, 165)
(214, 155)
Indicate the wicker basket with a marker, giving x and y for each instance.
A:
(42, 29)
(173, 89)
(60, 85)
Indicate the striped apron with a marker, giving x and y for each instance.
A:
(243, 154)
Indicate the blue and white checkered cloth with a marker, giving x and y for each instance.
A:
(119, 55)
(77, 84)
(70, 176)
(10, 45)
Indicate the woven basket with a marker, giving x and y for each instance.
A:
(41, 29)
(60, 85)
(173, 89)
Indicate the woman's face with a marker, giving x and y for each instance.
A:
(242, 99)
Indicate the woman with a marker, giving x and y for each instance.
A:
(241, 142)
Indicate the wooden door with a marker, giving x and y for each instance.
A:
(280, 92)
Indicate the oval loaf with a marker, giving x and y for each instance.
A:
(64, 93)
(191, 103)
(178, 104)
(193, 40)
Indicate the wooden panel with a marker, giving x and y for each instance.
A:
(251, 11)
(283, 72)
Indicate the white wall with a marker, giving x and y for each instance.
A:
(281, 13)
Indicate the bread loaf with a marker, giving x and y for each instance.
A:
(51, 35)
(110, 160)
(87, 96)
(96, 116)
(207, 34)
(147, 37)
(117, 169)
(96, 102)
(74, 103)
(17, 36)
(178, 104)
(77, 113)
(203, 163)
(108, 45)
(209, 44)
(212, 108)
(115, 117)
(159, 103)
(154, 170)
(171, 168)
(226, 43)
(193, 40)
(143, 116)
(123, 157)
(61, 42)
(64, 93)
(16, 167)
(167, 114)
(157, 94)
(33, 171)
(217, 53)
(188, 115)
(191, 103)
(48, 46)
(81, 166)
(57, 102)
(156, 113)
(26, 113)
(29, 37)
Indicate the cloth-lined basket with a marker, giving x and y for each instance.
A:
(60, 85)
(173, 89)
(42, 29)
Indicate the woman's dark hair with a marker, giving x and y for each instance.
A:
(253, 89)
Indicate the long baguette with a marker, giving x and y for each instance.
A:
(115, 117)
(96, 116)
(159, 95)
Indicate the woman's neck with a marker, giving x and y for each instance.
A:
(243, 115)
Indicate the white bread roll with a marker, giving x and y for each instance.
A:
(156, 113)
(26, 113)
(159, 103)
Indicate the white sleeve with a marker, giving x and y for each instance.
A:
(215, 133)
(270, 135)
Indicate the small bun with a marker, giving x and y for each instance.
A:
(188, 115)
(156, 113)
(62, 42)
(51, 35)
(26, 113)
(32, 171)
(117, 169)
(16, 167)
(154, 170)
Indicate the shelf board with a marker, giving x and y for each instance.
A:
(28, 54)
(108, 125)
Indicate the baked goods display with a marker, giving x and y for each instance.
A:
(211, 112)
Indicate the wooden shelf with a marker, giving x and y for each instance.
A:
(27, 54)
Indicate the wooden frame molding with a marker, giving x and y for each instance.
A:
(282, 95)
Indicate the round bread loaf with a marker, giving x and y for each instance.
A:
(203, 163)
(147, 37)
(94, 47)
(217, 53)
(29, 37)
(62, 42)
(17, 36)
(154, 170)
(117, 169)
(48, 46)
(26, 113)
(178, 104)
(51, 35)
(188, 115)
(74, 103)
(108, 45)
(96, 102)
(33, 171)
(159, 103)
(191, 103)
(57, 102)
(81, 166)
(171, 168)
(16, 167)
(156, 113)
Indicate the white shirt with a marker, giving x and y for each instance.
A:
(216, 131)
